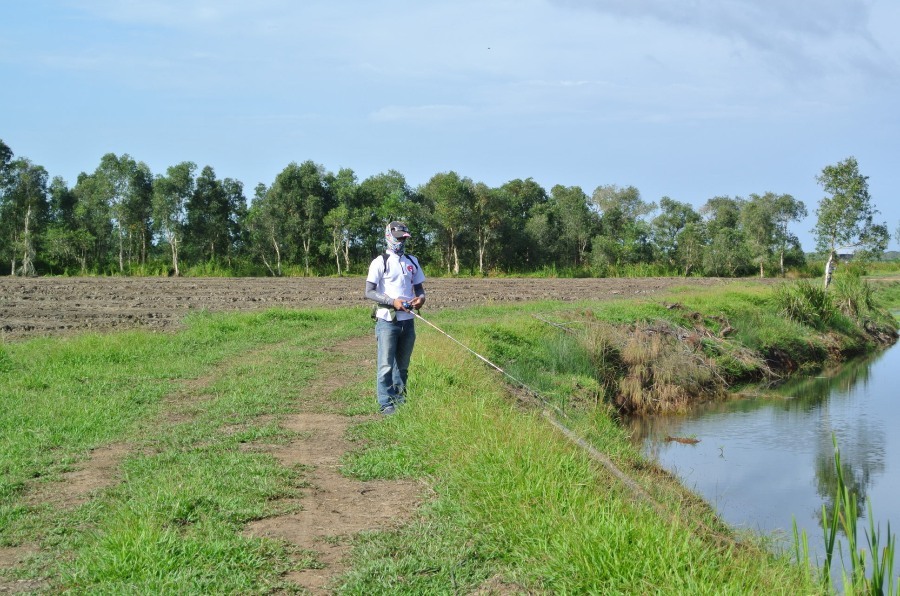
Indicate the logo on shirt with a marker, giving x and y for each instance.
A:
(410, 268)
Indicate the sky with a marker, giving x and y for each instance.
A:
(688, 100)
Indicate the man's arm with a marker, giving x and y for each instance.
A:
(376, 296)
(419, 300)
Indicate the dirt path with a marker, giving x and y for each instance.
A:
(334, 507)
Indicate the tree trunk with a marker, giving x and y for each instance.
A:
(347, 254)
(121, 251)
(174, 244)
(27, 268)
(761, 274)
(829, 269)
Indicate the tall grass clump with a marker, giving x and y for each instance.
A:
(650, 367)
(871, 562)
(858, 300)
(805, 302)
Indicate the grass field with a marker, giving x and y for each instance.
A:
(194, 419)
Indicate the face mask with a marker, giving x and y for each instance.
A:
(392, 243)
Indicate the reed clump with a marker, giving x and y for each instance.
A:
(652, 367)
(871, 560)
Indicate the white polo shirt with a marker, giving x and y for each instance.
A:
(395, 281)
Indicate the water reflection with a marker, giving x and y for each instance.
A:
(862, 453)
(763, 461)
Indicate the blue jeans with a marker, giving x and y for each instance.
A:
(395, 346)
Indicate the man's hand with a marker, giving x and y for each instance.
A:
(398, 304)
(417, 302)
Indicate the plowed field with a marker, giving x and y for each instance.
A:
(49, 306)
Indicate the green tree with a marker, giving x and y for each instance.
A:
(212, 217)
(24, 211)
(577, 222)
(170, 196)
(127, 187)
(690, 246)
(845, 215)
(674, 216)
(521, 237)
(264, 226)
(787, 209)
(92, 221)
(726, 252)
(453, 198)
(758, 222)
(66, 242)
(7, 244)
(340, 219)
(487, 216)
(626, 236)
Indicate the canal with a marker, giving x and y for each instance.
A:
(766, 460)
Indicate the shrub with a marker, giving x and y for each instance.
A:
(805, 302)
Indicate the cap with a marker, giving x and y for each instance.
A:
(398, 230)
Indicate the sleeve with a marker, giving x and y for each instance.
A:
(375, 272)
(419, 276)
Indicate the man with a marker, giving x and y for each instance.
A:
(395, 284)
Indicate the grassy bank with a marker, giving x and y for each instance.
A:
(514, 507)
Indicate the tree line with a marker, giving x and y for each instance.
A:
(124, 219)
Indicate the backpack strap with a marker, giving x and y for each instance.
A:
(412, 259)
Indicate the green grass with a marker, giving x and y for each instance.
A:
(515, 506)
(185, 404)
(518, 505)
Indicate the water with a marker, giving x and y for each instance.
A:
(765, 461)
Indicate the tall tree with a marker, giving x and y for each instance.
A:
(577, 222)
(170, 196)
(521, 243)
(787, 209)
(626, 236)
(726, 252)
(67, 242)
(212, 216)
(383, 198)
(263, 224)
(127, 186)
(453, 198)
(845, 215)
(758, 222)
(340, 218)
(488, 211)
(690, 245)
(92, 213)
(24, 212)
(674, 216)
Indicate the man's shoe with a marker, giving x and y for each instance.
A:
(388, 410)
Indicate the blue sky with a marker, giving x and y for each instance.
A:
(682, 99)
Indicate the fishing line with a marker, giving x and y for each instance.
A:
(595, 454)
(518, 382)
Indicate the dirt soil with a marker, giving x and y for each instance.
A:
(50, 306)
